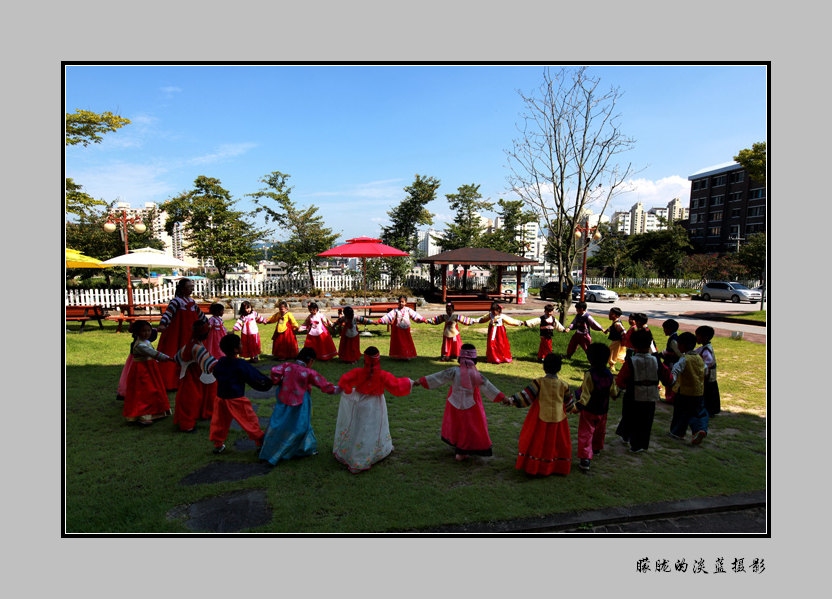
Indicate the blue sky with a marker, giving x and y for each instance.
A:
(352, 137)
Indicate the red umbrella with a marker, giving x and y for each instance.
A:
(364, 247)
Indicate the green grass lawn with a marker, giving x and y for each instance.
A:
(121, 478)
(758, 316)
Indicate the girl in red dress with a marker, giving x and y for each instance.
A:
(284, 342)
(249, 333)
(146, 399)
(197, 391)
(218, 330)
(317, 336)
(545, 445)
(176, 327)
(464, 426)
(349, 347)
(498, 350)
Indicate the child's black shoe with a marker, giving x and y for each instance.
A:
(220, 449)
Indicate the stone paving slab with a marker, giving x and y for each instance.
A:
(230, 512)
(225, 471)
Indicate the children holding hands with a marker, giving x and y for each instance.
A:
(318, 337)
(581, 324)
(451, 339)
(593, 402)
(497, 348)
(284, 342)
(689, 374)
(146, 398)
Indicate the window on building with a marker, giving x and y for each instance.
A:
(758, 193)
(735, 231)
(700, 184)
(756, 211)
(749, 229)
(720, 180)
(716, 216)
(735, 212)
(718, 200)
(714, 231)
(737, 177)
(734, 196)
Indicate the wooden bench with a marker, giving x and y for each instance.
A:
(384, 307)
(151, 312)
(472, 305)
(497, 297)
(84, 313)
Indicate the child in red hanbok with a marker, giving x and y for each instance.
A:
(593, 402)
(249, 333)
(545, 445)
(121, 392)
(362, 431)
(401, 342)
(349, 347)
(146, 399)
(284, 342)
(317, 334)
(548, 325)
(176, 327)
(218, 330)
(451, 339)
(498, 349)
(464, 426)
(581, 324)
(197, 391)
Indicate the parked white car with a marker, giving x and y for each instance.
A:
(729, 290)
(594, 293)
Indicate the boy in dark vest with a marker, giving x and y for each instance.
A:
(640, 377)
(689, 383)
(581, 324)
(593, 402)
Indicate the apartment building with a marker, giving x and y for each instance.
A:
(174, 244)
(637, 220)
(726, 206)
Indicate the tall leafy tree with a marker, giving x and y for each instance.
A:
(307, 234)
(753, 160)
(753, 254)
(664, 250)
(85, 127)
(465, 230)
(213, 229)
(613, 250)
(77, 201)
(510, 237)
(405, 219)
(565, 157)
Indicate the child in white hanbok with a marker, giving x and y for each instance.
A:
(362, 432)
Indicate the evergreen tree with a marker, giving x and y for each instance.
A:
(465, 230)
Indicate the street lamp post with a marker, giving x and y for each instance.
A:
(591, 234)
(139, 227)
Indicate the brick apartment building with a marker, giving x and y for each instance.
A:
(726, 207)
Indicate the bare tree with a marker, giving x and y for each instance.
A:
(563, 161)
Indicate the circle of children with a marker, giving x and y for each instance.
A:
(197, 357)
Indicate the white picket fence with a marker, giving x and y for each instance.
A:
(209, 288)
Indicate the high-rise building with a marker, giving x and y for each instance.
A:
(726, 206)
(174, 244)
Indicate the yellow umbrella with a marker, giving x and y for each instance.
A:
(75, 259)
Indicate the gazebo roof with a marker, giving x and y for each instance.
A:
(477, 256)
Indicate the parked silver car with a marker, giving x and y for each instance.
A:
(729, 290)
(594, 293)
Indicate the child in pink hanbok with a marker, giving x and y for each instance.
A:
(464, 426)
(249, 333)
(317, 334)
(218, 330)
(451, 339)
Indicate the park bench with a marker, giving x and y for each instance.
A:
(501, 297)
(149, 312)
(84, 313)
(472, 305)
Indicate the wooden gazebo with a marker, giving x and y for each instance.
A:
(466, 257)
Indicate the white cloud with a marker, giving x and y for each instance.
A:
(386, 190)
(223, 152)
(134, 183)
